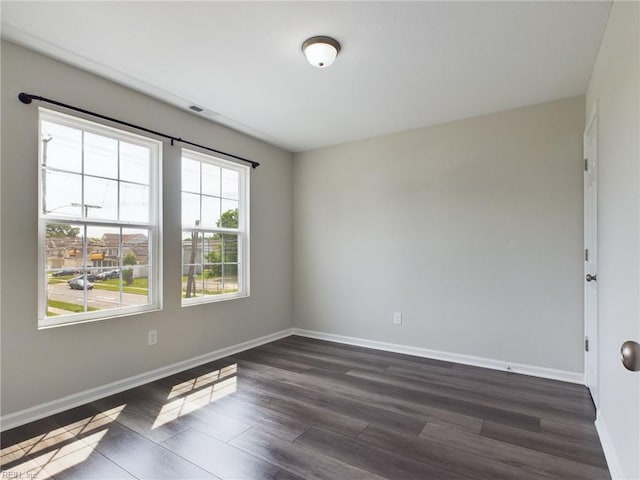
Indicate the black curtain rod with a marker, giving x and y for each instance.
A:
(27, 98)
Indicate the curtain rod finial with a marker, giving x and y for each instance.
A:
(25, 98)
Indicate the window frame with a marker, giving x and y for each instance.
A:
(242, 231)
(154, 225)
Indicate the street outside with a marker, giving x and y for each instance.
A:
(97, 298)
(106, 299)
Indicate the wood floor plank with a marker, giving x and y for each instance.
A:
(512, 400)
(530, 461)
(380, 461)
(441, 455)
(40, 445)
(364, 353)
(302, 461)
(223, 460)
(60, 446)
(340, 361)
(31, 434)
(392, 403)
(215, 424)
(520, 380)
(149, 411)
(553, 444)
(334, 402)
(144, 458)
(462, 405)
(302, 412)
(77, 457)
(289, 363)
(544, 397)
(80, 467)
(303, 360)
(27, 467)
(266, 386)
(146, 419)
(11, 453)
(260, 418)
(575, 432)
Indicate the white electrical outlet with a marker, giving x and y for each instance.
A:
(397, 318)
(152, 337)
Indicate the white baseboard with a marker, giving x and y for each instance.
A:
(564, 376)
(37, 412)
(609, 452)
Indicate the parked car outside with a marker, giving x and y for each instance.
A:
(90, 277)
(108, 275)
(63, 273)
(80, 283)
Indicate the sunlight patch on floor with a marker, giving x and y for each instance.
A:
(44, 455)
(199, 382)
(197, 399)
(71, 454)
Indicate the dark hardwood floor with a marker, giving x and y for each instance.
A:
(308, 409)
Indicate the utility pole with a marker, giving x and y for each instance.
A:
(45, 144)
(191, 282)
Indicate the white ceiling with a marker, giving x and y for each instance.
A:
(403, 65)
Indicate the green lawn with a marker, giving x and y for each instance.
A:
(139, 286)
(71, 307)
(63, 279)
(142, 282)
(198, 277)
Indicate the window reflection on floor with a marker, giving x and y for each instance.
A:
(198, 392)
(58, 449)
(51, 452)
(55, 450)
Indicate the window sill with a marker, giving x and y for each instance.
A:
(212, 299)
(74, 319)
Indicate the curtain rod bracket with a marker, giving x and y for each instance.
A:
(25, 98)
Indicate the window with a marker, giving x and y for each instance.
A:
(99, 221)
(215, 233)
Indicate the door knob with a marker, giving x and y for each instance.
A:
(630, 353)
(591, 278)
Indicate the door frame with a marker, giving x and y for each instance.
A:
(591, 331)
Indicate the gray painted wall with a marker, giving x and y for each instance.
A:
(472, 229)
(614, 88)
(39, 366)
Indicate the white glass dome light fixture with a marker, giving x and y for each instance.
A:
(321, 51)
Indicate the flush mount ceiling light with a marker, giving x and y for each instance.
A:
(321, 51)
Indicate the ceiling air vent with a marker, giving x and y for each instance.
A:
(195, 108)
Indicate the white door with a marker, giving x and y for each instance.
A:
(591, 256)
